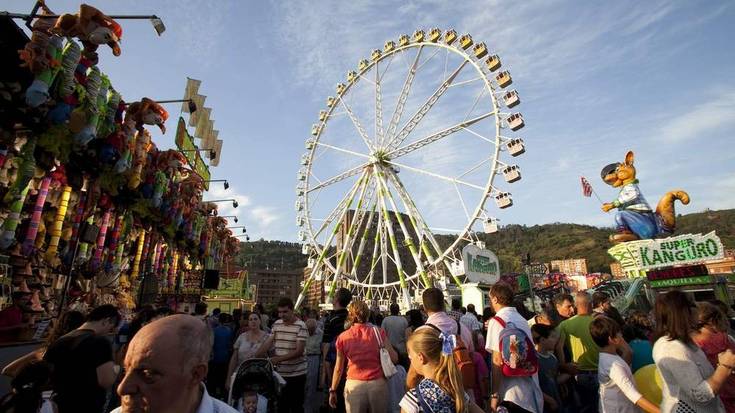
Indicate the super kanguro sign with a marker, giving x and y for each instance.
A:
(684, 249)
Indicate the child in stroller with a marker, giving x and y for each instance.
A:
(255, 378)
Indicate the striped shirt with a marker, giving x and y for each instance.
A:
(285, 338)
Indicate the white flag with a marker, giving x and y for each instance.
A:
(192, 89)
(204, 124)
(199, 101)
(218, 152)
(210, 139)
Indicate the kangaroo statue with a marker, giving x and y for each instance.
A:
(635, 219)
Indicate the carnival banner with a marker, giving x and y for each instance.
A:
(658, 253)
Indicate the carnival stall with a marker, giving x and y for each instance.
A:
(89, 206)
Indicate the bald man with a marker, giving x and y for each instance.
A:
(165, 367)
(575, 333)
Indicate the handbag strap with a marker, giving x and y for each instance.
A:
(377, 336)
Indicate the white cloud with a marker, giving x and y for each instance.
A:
(264, 216)
(717, 113)
(217, 191)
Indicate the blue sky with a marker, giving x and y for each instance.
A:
(595, 78)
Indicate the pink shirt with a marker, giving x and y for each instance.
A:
(359, 345)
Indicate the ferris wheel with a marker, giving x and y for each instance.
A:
(403, 156)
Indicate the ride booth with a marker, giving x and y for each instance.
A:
(677, 263)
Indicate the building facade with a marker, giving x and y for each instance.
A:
(272, 285)
(315, 295)
(723, 266)
(616, 270)
(572, 266)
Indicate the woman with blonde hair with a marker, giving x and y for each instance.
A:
(366, 389)
(441, 389)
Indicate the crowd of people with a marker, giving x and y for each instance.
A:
(578, 354)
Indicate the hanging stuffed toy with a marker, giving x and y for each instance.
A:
(7, 236)
(67, 84)
(92, 28)
(41, 56)
(25, 172)
(84, 119)
(55, 232)
(30, 240)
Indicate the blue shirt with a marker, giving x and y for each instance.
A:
(642, 353)
(222, 344)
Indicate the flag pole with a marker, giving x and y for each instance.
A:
(597, 196)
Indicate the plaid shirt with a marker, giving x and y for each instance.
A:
(454, 314)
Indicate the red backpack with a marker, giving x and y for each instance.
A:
(463, 358)
(517, 351)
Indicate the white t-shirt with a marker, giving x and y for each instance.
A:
(617, 386)
(245, 348)
(522, 391)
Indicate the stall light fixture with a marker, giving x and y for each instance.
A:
(234, 201)
(156, 21)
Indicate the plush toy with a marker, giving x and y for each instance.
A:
(84, 124)
(60, 113)
(7, 236)
(58, 223)
(30, 240)
(41, 56)
(145, 112)
(92, 28)
(100, 244)
(138, 254)
(142, 143)
(26, 171)
(635, 219)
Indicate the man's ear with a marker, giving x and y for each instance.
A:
(199, 373)
(629, 158)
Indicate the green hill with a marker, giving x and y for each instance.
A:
(511, 243)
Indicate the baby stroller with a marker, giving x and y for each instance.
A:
(255, 375)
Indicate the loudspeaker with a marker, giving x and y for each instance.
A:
(88, 232)
(210, 280)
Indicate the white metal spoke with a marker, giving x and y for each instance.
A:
(474, 104)
(378, 107)
(338, 149)
(461, 201)
(356, 122)
(432, 174)
(338, 208)
(436, 136)
(429, 59)
(401, 103)
(337, 178)
(480, 136)
(403, 193)
(408, 238)
(464, 82)
(424, 109)
(479, 164)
